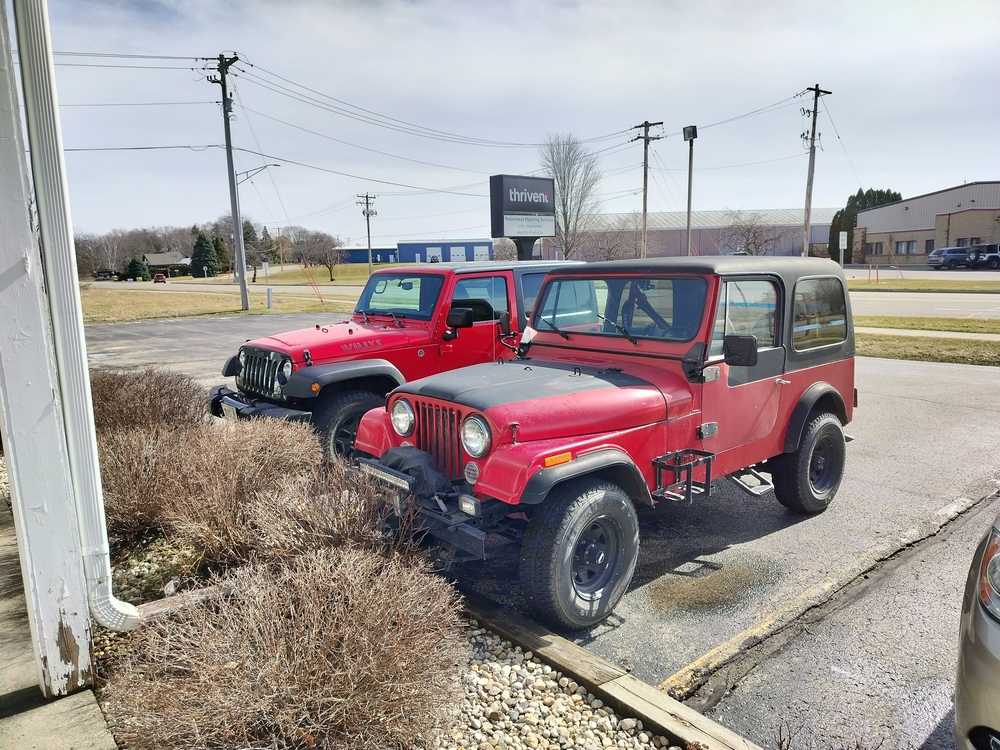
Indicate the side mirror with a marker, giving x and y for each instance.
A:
(458, 317)
(504, 321)
(740, 351)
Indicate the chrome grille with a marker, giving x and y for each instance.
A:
(439, 432)
(260, 370)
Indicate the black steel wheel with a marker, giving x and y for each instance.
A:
(337, 419)
(579, 552)
(807, 479)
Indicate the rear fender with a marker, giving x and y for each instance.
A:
(309, 382)
(819, 395)
(610, 464)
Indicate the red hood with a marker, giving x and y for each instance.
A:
(558, 399)
(343, 340)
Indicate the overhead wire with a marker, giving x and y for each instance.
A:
(844, 147)
(255, 140)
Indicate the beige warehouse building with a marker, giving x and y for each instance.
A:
(911, 229)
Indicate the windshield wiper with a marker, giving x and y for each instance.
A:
(363, 315)
(621, 330)
(554, 328)
(393, 316)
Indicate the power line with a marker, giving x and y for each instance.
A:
(271, 176)
(135, 104)
(837, 132)
(735, 166)
(129, 56)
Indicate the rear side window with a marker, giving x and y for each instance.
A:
(820, 316)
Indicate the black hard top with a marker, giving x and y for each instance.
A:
(482, 265)
(788, 267)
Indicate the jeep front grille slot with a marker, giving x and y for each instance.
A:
(439, 432)
(259, 372)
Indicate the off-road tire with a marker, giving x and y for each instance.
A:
(561, 575)
(337, 419)
(993, 263)
(807, 479)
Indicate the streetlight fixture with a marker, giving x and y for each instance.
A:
(690, 133)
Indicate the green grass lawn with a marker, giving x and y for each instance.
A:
(927, 349)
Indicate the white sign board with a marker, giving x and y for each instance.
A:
(529, 226)
(843, 240)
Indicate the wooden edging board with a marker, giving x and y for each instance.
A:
(623, 692)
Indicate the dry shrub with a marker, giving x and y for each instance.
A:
(340, 649)
(137, 468)
(227, 473)
(128, 399)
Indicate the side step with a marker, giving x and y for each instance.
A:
(762, 487)
(679, 468)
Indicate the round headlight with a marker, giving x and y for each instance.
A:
(402, 417)
(286, 369)
(243, 357)
(475, 436)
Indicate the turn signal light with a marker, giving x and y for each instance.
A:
(559, 458)
(315, 387)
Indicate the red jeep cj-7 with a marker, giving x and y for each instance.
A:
(406, 326)
(637, 381)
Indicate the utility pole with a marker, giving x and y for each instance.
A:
(367, 201)
(645, 138)
(690, 133)
(817, 92)
(227, 108)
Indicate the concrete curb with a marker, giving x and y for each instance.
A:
(687, 680)
(623, 692)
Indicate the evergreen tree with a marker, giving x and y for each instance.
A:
(203, 257)
(267, 245)
(222, 261)
(846, 219)
(137, 270)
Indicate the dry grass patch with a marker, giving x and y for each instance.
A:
(861, 284)
(340, 649)
(963, 325)
(927, 349)
(119, 306)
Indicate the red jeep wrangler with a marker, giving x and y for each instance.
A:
(406, 326)
(638, 381)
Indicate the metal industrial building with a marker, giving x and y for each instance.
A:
(666, 232)
(422, 251)
(910, 229)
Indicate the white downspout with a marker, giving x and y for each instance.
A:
(48, 172)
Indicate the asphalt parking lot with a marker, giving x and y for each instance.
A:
(720, 575)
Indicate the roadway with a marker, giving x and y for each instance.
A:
(730, 570)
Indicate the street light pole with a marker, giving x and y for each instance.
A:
(690, 133)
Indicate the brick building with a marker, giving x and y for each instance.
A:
(911, 229)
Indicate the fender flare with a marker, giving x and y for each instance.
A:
(300, 384)
(229, 369)
(800, 414)
(598, 462)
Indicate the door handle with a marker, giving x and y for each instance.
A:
(779, 381)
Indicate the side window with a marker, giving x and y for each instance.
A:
(751, 310)
(530, 284)
(486, 296)
(719, 327)
(820, 316)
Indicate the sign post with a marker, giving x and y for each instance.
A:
(843, 247)
(523, 209)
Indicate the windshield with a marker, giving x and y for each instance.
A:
(668, 309)
(407, 295)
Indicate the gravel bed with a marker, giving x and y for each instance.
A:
(513, 701)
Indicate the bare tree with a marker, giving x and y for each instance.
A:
(320, 248)
(504, 249)
(746, 232)
(621, 239)
(576, 174)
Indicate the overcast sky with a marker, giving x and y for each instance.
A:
(915, 101)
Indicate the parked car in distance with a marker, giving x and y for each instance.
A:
(409, 322)
(948, 257)
(984, 256)
(159, 279)
(105, 274)
(977, 682)
(637, 382)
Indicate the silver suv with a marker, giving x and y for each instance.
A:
(948, 257)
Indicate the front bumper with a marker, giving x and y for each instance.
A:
(437, 516)
(977, 687)
(232, 405)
